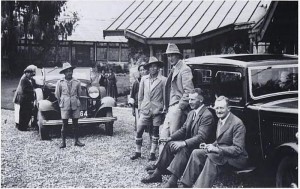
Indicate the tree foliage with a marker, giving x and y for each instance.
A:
(43, 22)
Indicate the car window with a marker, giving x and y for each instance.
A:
(202, 78)
(229, 84)
(273, 79)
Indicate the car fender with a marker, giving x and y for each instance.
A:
(45, 105)
(107, 102)
(290, 145)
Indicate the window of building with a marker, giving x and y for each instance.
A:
(188, 53)
(113, 52)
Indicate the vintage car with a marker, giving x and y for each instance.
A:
(95, 108)
(263, 92)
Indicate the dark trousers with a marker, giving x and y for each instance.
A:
(175, 162)
(200, 169)
(25, 115)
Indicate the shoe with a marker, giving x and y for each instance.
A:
(150, 167)
(152, 157)
(169, 185)
(79, 144)
(63, 145)
(152, 178)
(136, 156)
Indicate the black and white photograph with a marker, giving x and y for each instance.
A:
(149, 94)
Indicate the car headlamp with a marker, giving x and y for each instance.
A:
(93, 92)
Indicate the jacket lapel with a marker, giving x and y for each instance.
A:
(155, 83)
(176, 69)
(198, 117)
(226, 125)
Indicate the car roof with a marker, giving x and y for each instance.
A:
(243, 60)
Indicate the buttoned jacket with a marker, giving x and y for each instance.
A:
(180, 83)
(231, 142)
(68, 99)
(196, 131)
(151, 96)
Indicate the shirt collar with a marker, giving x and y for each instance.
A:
(198, 109)
(224, 120)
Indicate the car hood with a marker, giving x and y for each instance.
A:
(288, 105)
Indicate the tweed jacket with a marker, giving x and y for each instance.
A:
(194, 132)
(150, 96)
(25, 91)
(231, 142)
(179, 85)
(68, 99)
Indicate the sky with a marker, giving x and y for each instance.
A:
(95, 16)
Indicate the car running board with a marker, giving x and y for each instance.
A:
(81, 121)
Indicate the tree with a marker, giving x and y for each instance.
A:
(43, 22)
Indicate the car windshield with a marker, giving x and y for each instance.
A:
(53, 73)
(273, 79)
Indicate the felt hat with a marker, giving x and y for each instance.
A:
(153, 60)
(172, 49)
(30, 68)
(66, 66)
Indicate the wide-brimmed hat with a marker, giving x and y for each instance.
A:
(66, 66)
(172, 49)
(30, 68)
(153, 60)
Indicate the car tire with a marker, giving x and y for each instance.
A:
(43, 131)
(109, 126)
(287, 172)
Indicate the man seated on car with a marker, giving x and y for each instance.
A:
(205, 163)
(175, 154)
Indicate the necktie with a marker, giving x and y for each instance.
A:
(219, 127)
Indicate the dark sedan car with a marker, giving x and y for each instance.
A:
(263, 92)
(96, 107)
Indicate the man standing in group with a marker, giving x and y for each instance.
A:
(228, 149)
(179, 85)
(197, 129)
(150, 105)
(67, 92)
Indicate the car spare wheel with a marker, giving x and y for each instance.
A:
(109, 126)
(43, 131)
(287, 172)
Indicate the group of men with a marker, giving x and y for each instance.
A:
(187, 148)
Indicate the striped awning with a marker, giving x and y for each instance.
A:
(152, 21)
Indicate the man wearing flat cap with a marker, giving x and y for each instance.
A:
(150, 105)
(67, 92)
(179, 84)
(24, 98)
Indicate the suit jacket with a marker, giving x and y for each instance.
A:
(68, 99)
(196, 131)
(231, 142)
(150, 97)
(179, 85)
(135, 92)
(25, 91)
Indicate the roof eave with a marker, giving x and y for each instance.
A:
(113, 33)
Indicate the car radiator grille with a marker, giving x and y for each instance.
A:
(83, 103)
(284, 132)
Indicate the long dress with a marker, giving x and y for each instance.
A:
(111, 89)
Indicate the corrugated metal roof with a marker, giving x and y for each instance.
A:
(182, 19)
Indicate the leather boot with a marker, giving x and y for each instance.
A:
(63, 144)
(77, 142)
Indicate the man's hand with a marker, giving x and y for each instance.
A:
(212, 149)
(177, 145)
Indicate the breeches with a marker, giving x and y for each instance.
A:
(146, 120)
(66, 114)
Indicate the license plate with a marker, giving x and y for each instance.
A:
(83, 113)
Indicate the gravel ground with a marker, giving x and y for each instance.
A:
(103, 162)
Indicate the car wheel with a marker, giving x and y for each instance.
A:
(109, 126)
(43, 131)
(287, 172)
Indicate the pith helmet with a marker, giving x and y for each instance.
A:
(172, 49)
(66, 66)
(153, 60)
